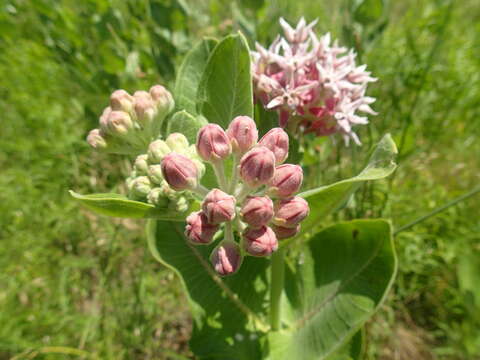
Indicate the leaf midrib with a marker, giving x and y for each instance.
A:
(312, 313)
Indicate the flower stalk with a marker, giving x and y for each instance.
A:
(277, 277)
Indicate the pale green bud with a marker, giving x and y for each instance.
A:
(141, 164)
(157, 197)
(155, 174)
(140, 187)
(181, 204)
(200, 167)
(177, 142)
(157, 150)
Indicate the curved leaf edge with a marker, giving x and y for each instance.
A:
(138, 209)
(362, 321)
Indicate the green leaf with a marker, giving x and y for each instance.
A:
(225, 310)
(334, 287)
(368, 11)
(185, 123)
(117, 205)
(326, 199)
(190, 73)
(225, 90)
(352, 350)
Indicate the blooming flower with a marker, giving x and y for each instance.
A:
(314, 85)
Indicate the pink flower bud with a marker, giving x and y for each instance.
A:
(96, 140)
(118, 123)
(284, 232)
(286, 181)
(226, 258)
(120, 100)
(257, 166)
(179, 171)
(276, 140)
(260, 242)
(212, 143)
(243, 134)
(198, 230)
(290, 212)
(144, 107)
(218, 206)
(257, 211)
(162, 98)
(104, 117)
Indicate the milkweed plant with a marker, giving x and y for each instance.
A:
(265, 277)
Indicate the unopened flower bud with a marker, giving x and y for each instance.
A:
(162, 98)
(179, 171)
(257, 166)
(96, 140)
(181, 204)
(212, 143)
(177, 142)
(104, 118)
(286, 181)
(257, 211)
(260, 242)
(144, 107)
(290, 212)
(226, 258)
(276, 140)
(157, 198)
(118, 123)
(120, 100)
(198, 229)
(243, 134)
(157, 151)
(140, 187)
(155, 173)
(285, 232)
(218, 206)
(141, 164)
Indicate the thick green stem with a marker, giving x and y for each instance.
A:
(276, 287)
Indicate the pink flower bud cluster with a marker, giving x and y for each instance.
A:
(314, 85)
(242, 203)
(131, 122)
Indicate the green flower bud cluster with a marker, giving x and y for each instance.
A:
(131, 122)
(147, 183)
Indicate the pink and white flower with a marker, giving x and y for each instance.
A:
(314, 84)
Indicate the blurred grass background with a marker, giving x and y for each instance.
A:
(75, 285)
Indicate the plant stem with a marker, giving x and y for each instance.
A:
(438, 210)
(276, 287)
(220, 174)
(233, 184)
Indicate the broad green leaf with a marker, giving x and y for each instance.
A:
(337, 283)
(185, 123)
(117, 205)
(225, 90)
(352, 350)
(225, 310)
(367, 12)
(190, 73)
(326, 199)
